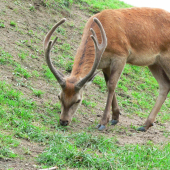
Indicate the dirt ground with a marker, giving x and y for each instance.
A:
(27, 20)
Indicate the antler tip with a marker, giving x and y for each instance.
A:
(64, 19)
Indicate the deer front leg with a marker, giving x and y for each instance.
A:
(116, 69)
(115, 107)
(115, 111)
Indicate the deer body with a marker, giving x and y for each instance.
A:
(138, 36)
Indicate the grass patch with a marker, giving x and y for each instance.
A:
(89, 103)
(6, 145)
(6, 58)
(85, 151)
(13, 23)
(97, 6)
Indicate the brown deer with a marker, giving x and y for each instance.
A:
(138, 36)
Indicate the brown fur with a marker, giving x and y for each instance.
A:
(138, 36)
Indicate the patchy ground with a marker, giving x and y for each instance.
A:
(40, 21)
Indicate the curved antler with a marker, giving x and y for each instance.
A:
(48, 44)
(99, 49)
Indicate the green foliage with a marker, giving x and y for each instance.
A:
(6, 145)
(82, 150)
(101, 82)
(37, 93)
(89, 103)
(6, 58)
(32, 8)
(23, 54)
(2, 25)
(69, 66)
(58, 3)
(6, 152)
(47, 73)
(13, 23)
(97, 6)
(20, 71)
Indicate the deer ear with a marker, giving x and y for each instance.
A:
(91, 79)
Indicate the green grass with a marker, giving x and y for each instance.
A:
(19, 114)
(6, 145)
(89, 103)
(6, 58)
(86, 151)
(23, 55)
(2, 25)
(13, 23)
(37, 93)
(22, 72)
(97, 6)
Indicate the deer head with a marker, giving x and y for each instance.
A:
(72, 87)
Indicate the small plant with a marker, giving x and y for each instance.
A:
(2, 24)
(61, 30)
(23, 55)
(38, 93)
(69, 66)
(89, 103)
(34, 56)
(32, 8)
(6, 58)
(100, 81)
(20, 71)
(13, 24)
(47, 73)
(35, 73)
(30, 32)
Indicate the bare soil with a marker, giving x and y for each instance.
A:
(40, 21)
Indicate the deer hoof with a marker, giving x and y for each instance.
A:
(114, 122)
(142, 129)
(101, 127)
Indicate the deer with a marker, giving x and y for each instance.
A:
(112, 38)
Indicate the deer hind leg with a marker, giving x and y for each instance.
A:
(164, 87)
(112, 75)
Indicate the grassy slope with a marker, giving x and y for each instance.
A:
(24, 117)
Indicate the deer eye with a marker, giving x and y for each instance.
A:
(78, 101)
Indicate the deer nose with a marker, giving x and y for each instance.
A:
(63, 123)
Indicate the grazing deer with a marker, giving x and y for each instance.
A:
(138, 36)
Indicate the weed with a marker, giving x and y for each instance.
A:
(23, 55)
(13, 23)
(32, 8)
(35, 73)
(89, 103)
(69, 66)
(6, 58)
(20, 71)
(34, 56)
(100, 81)
(6, 153)
(37, 93)
(61, 30)
(47, 73)
(2, 25)
(30, 32)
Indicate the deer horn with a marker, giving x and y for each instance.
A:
(99, 49)
(48, 44)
